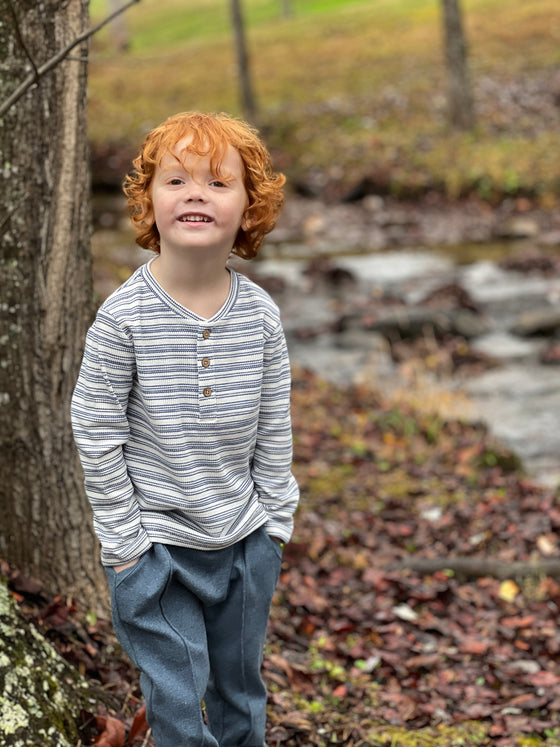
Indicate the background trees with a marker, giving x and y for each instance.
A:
(47, 298)
(460, 102)
(247, 96)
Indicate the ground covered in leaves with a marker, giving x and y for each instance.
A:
(364, 649)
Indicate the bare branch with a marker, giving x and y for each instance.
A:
(21, 39)
(54, 61)
(10, 211)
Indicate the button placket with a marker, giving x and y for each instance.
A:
(207, 398)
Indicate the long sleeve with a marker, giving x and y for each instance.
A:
(99, 421)
(182, 423)
(272, 459)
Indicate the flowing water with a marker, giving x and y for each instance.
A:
(519, 399)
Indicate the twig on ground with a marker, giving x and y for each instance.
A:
(478, 567)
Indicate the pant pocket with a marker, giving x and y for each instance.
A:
(135, 595)
(277, 548)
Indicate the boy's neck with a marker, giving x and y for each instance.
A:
(201, 286)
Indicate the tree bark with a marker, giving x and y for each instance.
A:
(244, 71)
(461, 108)
(47, 299)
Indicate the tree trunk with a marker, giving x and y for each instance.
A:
(287, 8)
(47, 299)
(461, 110)
(243, 67)
(119, 28)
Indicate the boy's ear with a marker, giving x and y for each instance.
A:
(148, 212)
(247, 221)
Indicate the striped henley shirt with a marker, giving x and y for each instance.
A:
(182, 423)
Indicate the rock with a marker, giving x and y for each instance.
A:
(402, 322)
(42, 695)
(503, 346)
(503, 294)
(520, 404)
(450, 296)
(551, 356)
(361, 339)
(314, 224)
(532, 261)
(550, 238)
(324, 270)
(544, 321)
(518, 227)
(389, 268)
(373, 203)
(358, 357)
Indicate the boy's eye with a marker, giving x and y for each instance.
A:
(217, 183)
(175, 181)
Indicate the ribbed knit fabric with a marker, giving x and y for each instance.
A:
(183, 423)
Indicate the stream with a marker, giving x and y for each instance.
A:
(519, 312)
(519, 399)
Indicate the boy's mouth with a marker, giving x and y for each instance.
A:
(194, 218)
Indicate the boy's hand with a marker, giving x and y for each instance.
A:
(124, 566)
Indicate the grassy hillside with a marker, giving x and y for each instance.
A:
(350, 89)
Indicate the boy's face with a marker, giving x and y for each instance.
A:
(194, 208)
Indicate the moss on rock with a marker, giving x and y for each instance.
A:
(41, 695)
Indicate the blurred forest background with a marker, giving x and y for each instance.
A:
(418, 253)
(351, 89)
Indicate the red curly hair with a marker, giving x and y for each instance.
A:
(210, 134)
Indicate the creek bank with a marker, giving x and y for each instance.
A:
(377, 223)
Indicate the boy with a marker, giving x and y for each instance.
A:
(181, 416)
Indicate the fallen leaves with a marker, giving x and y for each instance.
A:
(363, 650)
(111, 732)
(509, 590)
(411, 649)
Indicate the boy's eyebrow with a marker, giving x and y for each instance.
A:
(172, 167)
(169, 162)
(228, 176)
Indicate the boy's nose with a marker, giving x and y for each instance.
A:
(195, 191)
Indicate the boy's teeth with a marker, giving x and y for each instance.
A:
(195, 218)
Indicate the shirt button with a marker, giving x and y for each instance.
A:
(206, 334)
(206, 362)
(207, 391)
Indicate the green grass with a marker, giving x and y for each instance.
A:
(351, 87)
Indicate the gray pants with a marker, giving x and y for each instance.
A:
(194, 623)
